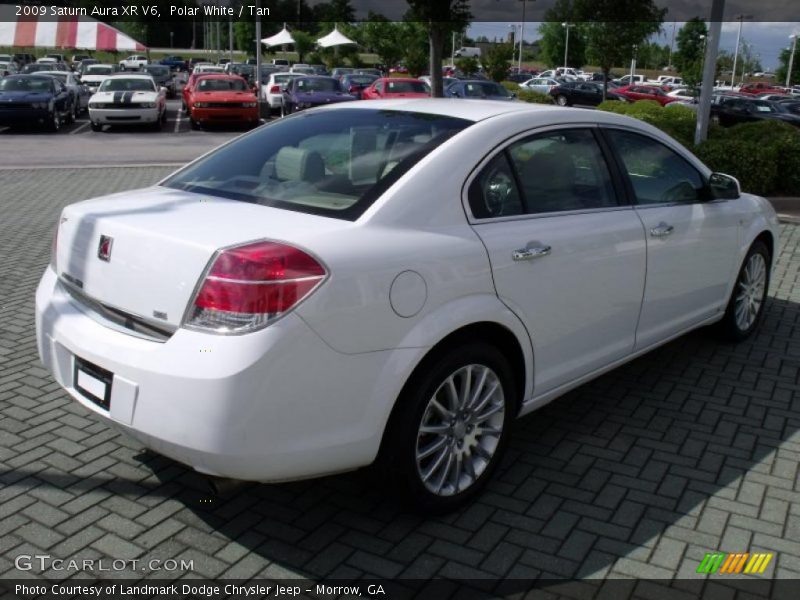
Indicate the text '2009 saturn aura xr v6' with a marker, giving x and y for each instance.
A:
(392, 281)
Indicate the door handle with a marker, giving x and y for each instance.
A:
(661, 230)
(530, 253)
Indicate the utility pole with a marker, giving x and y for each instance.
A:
(671, 46)
(258, 56)
(709, 70)
(741, 19)
(566, 44)
(791, 60)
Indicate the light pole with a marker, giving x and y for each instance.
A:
(633, 63)
(522, 34)
(741, 18)
(791, 60)
(566, 26)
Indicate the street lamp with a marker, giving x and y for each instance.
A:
(791, 60)
(741, 18)
(566, 26)
(515, 32)
(522, 34)
(633, 62)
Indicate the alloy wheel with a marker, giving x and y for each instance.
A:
(460, 430)
(750, 291)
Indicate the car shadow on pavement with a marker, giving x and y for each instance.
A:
(689, 449)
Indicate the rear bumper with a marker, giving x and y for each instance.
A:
(203, 115)
(267, 406)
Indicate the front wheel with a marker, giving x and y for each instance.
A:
(746, 305)
(562, 101)
(450, 428)
(54, 121)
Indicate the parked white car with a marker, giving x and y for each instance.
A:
(394, 282)
(94, 75)
(128, 99)
(133, 63)
(628, 80)
(543, 85)
(271, 90)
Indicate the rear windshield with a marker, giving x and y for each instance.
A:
(334, 163)
(221, 85)
(97, 70)
(407, 87)
(317, 85)
(156, 70)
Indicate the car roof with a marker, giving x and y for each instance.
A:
(474, 110)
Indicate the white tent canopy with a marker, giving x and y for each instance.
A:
(334, 38)
(279, 39)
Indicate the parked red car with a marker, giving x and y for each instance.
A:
(222, 99)
(760, 88)
(636, 92)
(396, 87)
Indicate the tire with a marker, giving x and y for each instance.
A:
(73, 113)
(54, 121)
(562, 100)
(283, 110)
(194, 124)
(420, 463)
(96, 127)
(745, 308)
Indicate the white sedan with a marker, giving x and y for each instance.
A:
(128, 100)
(392, 281)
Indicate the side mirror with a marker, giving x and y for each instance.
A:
(723, 187)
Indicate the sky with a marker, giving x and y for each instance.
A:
(767, 38)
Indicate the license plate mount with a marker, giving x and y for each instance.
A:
(93, 382)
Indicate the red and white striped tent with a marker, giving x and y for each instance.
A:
(82, 33)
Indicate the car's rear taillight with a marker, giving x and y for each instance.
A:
(247, 287)
(275, 89)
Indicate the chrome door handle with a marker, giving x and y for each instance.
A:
(661, 230)
(530, 253)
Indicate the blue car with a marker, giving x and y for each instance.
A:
(483, 90)
(35, 99)
(307, 92)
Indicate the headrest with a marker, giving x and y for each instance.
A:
(296, 164)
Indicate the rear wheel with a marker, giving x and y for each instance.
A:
(562, 100)
(450, 428)
(96, 127)
(746, 305)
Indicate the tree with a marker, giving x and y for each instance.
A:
(468, 65)
(691, 42)
(442, 17)
(384, 38)
(415, 49)
(303, 44)
(496, 59)
(554, 36)
(780, 74)
(615, 27)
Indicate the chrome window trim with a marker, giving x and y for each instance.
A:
(472, 220)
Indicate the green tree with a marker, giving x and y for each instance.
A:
(691, 41)
(441, 17)
(615, 27)
(554, 36)
(415, 50)
(303, 44)
(244, 35)
(467, 64)
(496, 60)
(384, 38)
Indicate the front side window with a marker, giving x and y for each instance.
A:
(658, 174)
(333, 163)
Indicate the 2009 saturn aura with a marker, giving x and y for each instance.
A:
(392, 281)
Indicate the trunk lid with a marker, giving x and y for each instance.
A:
(161, 242)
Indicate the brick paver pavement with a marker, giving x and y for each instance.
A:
(692, 448)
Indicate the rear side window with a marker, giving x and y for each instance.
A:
(658, 174)
(333, 163)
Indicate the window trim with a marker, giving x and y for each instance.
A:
(706, 198)
(620, 192)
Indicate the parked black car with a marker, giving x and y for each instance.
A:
(791, 104)
(732, 110)
(487, 90)
(587, 93)
(36, 100)
(162, 75)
